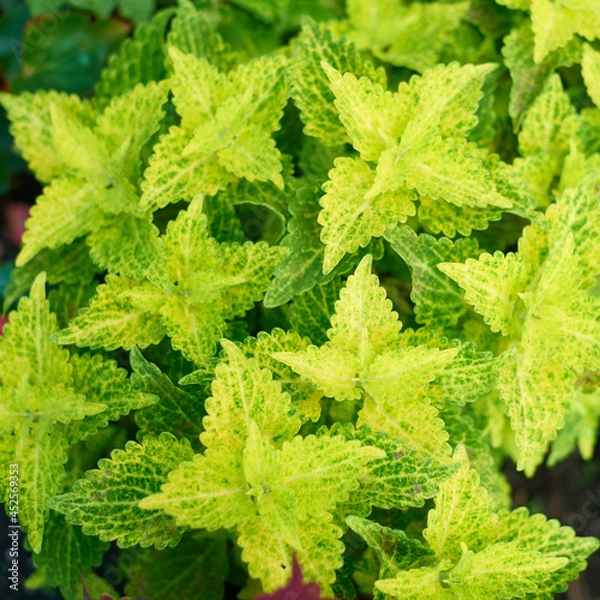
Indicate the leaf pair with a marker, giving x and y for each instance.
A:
(473, 551)
(277, 490)
(48, 401)
(210, 284)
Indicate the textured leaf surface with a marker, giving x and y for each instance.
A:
(310, 86)
(66, 552)
(107, 502)
(492, 285)
(462, 515)
(112, 320)
(243, 392)
(349, 219)
(430, 287)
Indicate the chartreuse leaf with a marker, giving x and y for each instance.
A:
(373, 117)
(536, 533)
(400, 479)
(460, 87)
(349, 219)
(41, 456)
(106, 502)
(430, 287)
(511, 553)
(364, 321)
(508, 570)
(65, 553)
(270, 560)
(310, 86)
(590, 69)
(492, 285)
(327, 463)
(101, 379)
(226, 127)
(554, 24)
(35, 393)
(304, 397)
(200, 563)
(245, 393)
(209, 283)
(550, 121)
(462, 515)
(414, 421)
(167, 180)
(67, 209)
(575, 212)
(131, 246)
(31, 127)
(113, 320)
(142, 104)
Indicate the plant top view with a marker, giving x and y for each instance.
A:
(305, 287)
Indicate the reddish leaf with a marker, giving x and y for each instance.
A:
(295, 589)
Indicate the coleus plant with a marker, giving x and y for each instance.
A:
(293, 302)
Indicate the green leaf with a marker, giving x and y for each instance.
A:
(492, 285)
(310, 86)
(394, 549)
(302, 266)
(65, 553)
(529, 76)
(311, 311)
(200, 563)
(462, 515)
(242, 392)
(107, 502)
(193, 32)
(208, 492)
(113, 320)
(101, 380)
(176, 410)
(140, 59)
(432, 289)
